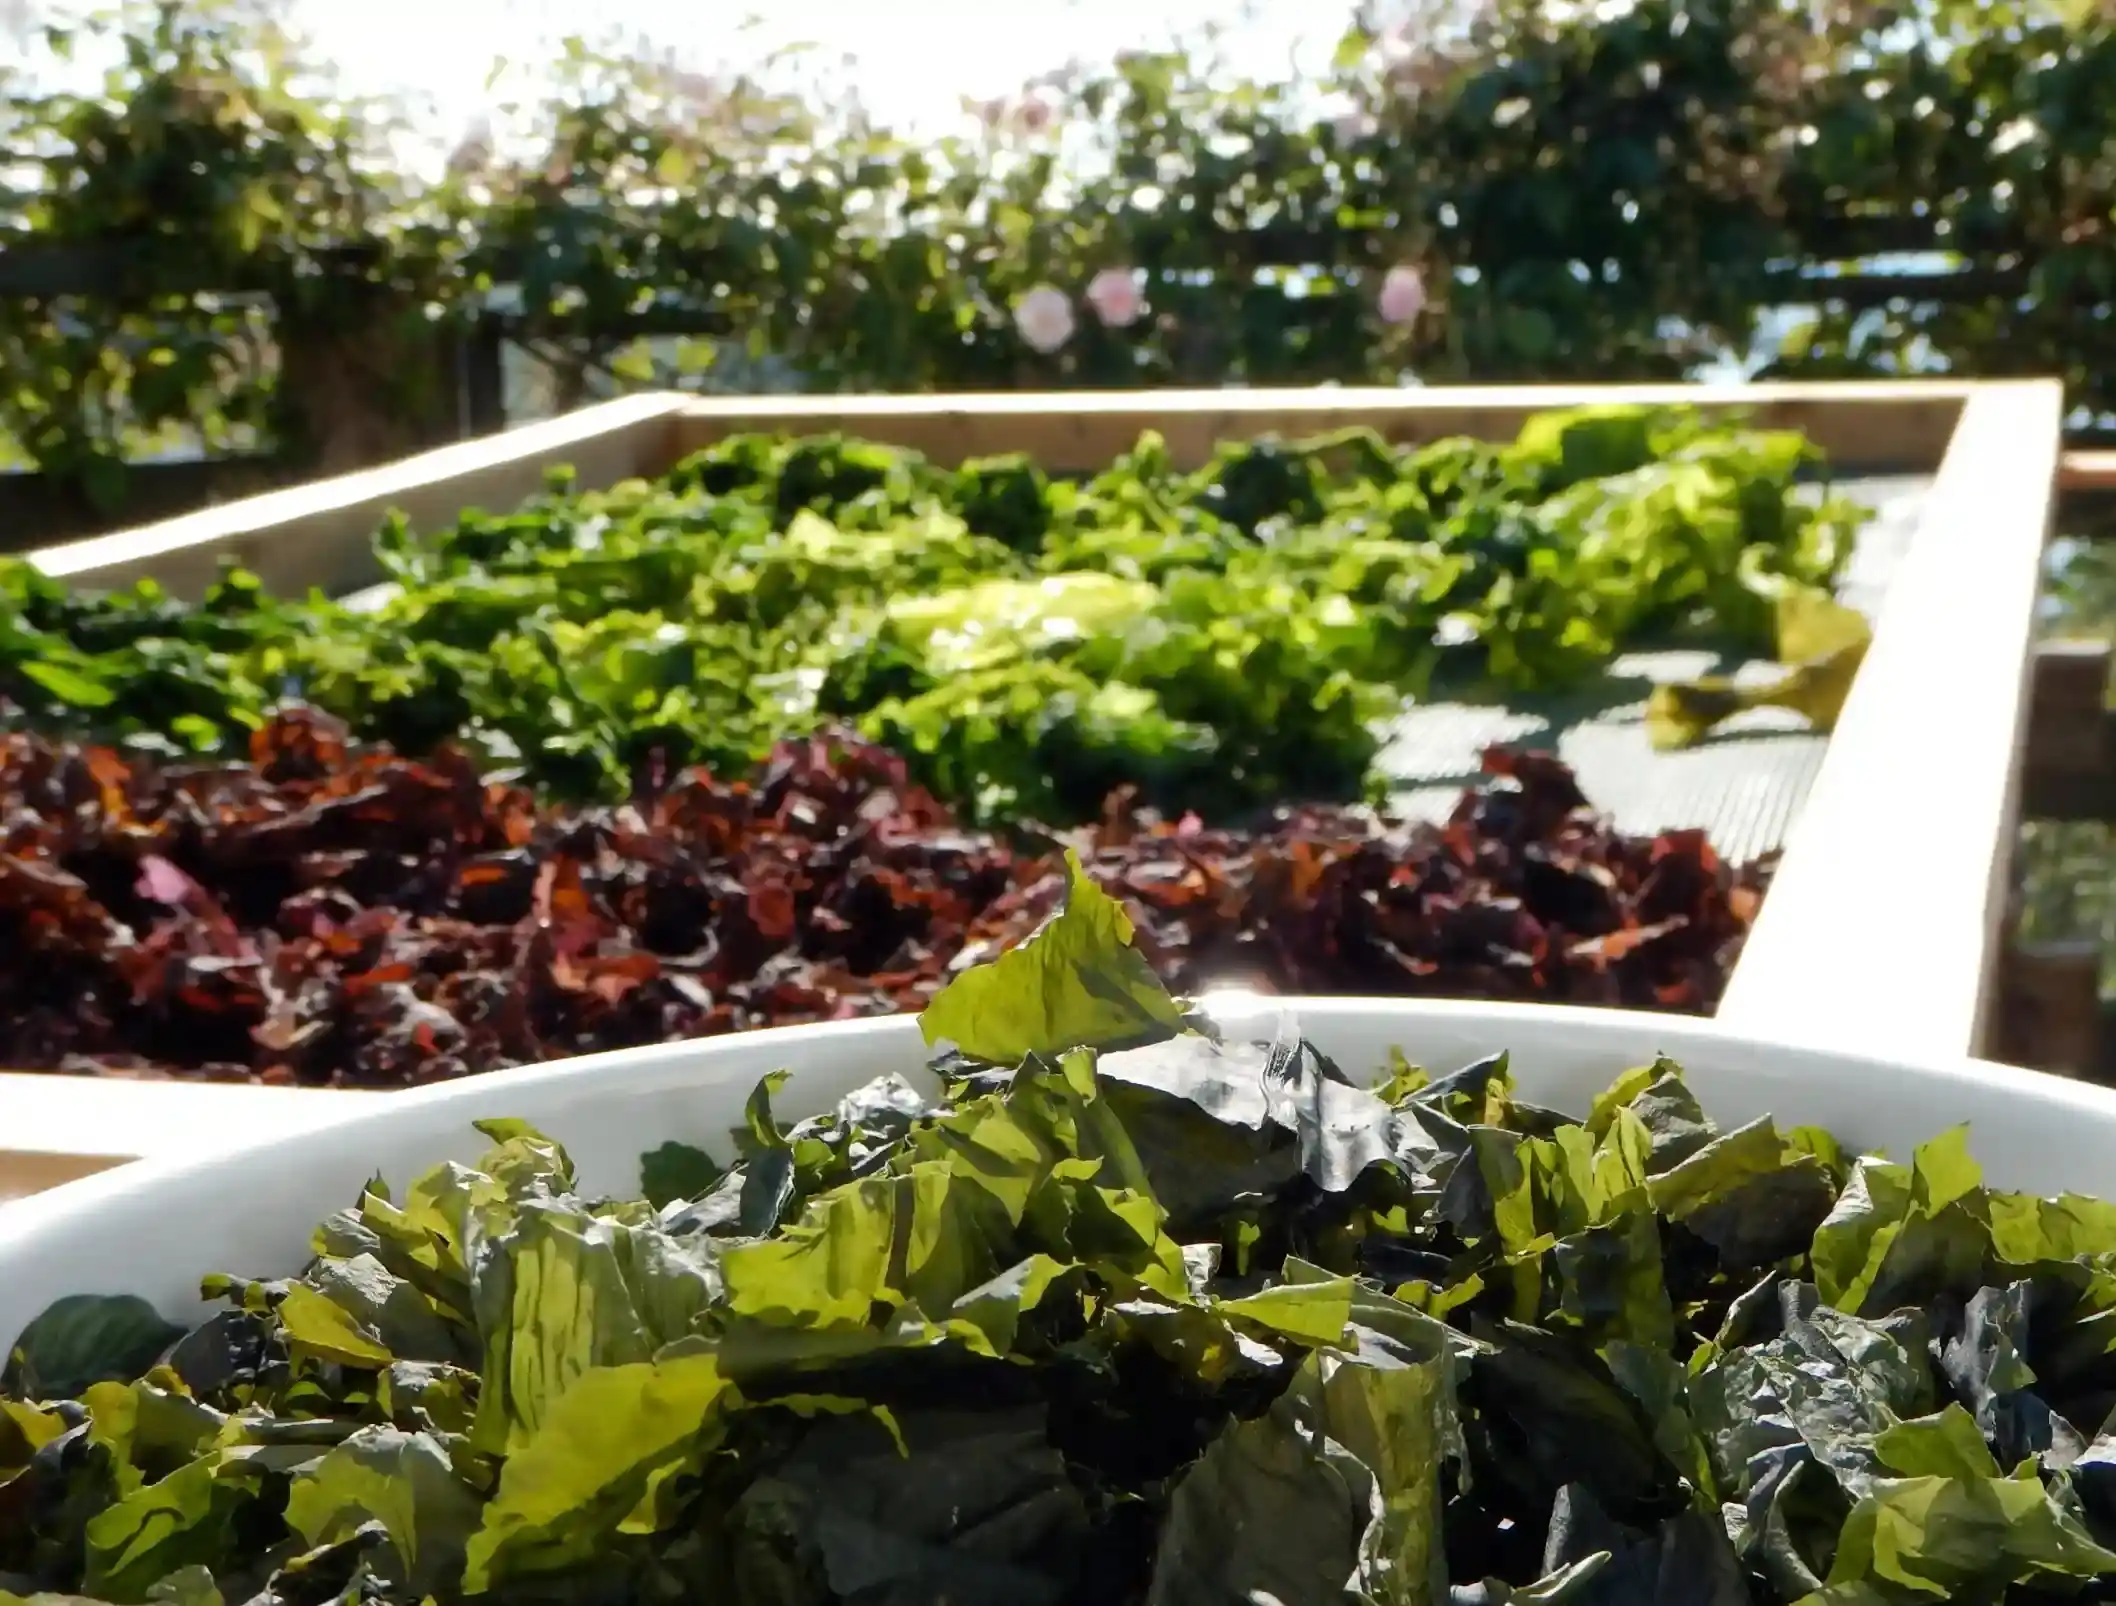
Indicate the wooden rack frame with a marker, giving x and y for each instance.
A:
(1881, 934)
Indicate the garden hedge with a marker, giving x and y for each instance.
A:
(1618, 195)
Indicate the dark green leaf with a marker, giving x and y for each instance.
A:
(1078, 982)
(1174, 1320)
(1336, 1487)
(84, 1339)
(676, 1171)
(950, 1505)
(404, 1481)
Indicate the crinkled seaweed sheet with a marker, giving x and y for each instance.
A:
(1744, 786)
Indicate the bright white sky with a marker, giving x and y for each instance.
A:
(914, 61)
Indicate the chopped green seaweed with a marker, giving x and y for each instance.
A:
(1110, 1310)
(1219, 639)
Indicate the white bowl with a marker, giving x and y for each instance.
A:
(155, 1228)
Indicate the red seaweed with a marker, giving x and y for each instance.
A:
(332, 915)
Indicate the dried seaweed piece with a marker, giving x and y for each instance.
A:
(328, 914)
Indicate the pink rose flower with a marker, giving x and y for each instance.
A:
(1115, 295)
(1353, 126)
(1402, 294)
(1044, 318)
(1035, 112)
(473, 152)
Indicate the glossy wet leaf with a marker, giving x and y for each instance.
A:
(404, 1481)
(84, 1339)
(1076, 983)
(1178, 1319)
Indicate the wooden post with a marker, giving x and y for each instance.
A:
(481, 356)
(2049, 1015)
(366, 379)
(2067, 771)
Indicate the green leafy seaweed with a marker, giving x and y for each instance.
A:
(1076, 983)
(1218, 639)
(1106, 1308)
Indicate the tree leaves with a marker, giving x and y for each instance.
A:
(1594, 188)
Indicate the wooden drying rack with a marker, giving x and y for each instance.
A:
(1883, 932)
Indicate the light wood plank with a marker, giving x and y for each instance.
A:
(1880, 932)
(22, 1174)
(1869, 426)
(320, 534)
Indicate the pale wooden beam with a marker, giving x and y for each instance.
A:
(1881, 930)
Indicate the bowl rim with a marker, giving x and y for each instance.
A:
(376, 1120)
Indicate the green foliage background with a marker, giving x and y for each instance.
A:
(1600, 193)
